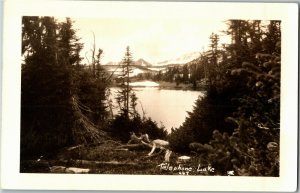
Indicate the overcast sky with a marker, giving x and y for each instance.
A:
(154, 40)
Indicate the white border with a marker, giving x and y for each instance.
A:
(10, 139)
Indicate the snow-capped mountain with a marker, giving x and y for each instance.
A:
(139, 62)
(142, 62)
(112, 63)
(137, 67)
(183, 59)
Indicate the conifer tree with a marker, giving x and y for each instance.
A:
(51, 112)
(45, 87)
(123, 97)
(249, 101)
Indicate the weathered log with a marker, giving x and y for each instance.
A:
(77, 163)
(75, 147)
(122, 149)
(70, 170)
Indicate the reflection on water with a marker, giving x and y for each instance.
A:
(168, 107)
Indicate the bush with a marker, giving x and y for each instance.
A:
(253, 154)
(253, 147)
(248, 97)
(208, 114)
(122, 125)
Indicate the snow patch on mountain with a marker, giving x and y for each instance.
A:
(183, 59)
(142, 62)
(139, 62)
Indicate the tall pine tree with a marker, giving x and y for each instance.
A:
(124, 94)
(51, 114)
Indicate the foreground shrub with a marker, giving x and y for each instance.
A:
(254, 154)
(208, 114)
(253, 147)
(251, 91)
(122, 125)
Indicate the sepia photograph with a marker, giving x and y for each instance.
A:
(176, 95)
(162, 97)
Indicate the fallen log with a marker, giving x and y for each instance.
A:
(122, 149)
(77, 163)
(75, 147)
(70, 170)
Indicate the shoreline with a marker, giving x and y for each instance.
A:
(167, 86)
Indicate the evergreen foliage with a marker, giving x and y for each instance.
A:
(52, 87)
(92, 94)
(236, 125)
(129, 120)
(125, 92)
(122, 126)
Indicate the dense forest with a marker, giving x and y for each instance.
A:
(234, 127)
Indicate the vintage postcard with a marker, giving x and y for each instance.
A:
(127, 95)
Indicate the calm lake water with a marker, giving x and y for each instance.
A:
(166, 107)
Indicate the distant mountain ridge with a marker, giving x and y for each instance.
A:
(183, 59)
(141, 66)
(139, 62)
(142, 62)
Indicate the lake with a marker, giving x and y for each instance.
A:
(166, 107)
